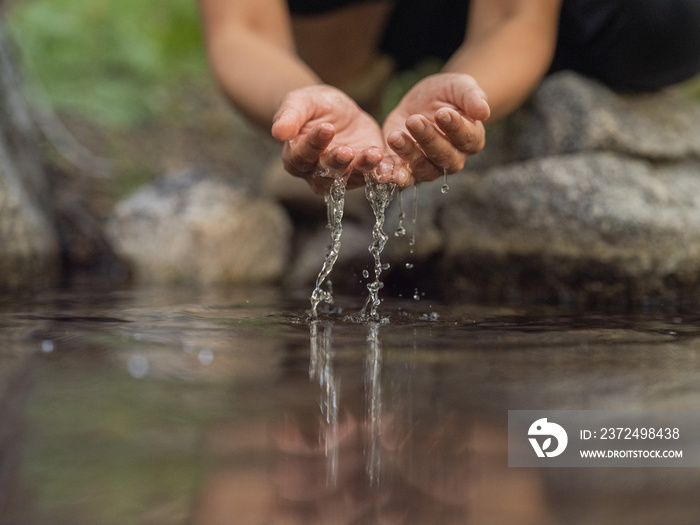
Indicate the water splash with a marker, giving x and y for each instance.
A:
(379, 196)
(335, 204)
(321, 369)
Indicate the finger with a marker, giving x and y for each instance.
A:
(365, 162)
(368, 159)
(336, 160)
(474, 104)
(468, 137)
(435, 145)
(384, 172)
(286, 125)
(305, 153)
(291, 116)
(409, 152)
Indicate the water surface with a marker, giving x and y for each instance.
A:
(182, 407)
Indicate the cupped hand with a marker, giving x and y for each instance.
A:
(327, 135)
(436, 126)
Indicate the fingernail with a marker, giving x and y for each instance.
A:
(418, 125)
(486, 106)
(325, 133)
(444, 117)
(400, 142)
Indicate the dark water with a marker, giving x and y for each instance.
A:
(174, 407)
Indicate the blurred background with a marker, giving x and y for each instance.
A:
(122, 91)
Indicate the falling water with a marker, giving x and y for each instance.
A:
(400, 228)
(445, 188)
(414, 218)
(379, 196)
(335, 203)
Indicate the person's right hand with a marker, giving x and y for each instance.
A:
(327, 135)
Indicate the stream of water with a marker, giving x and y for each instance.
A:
(335, 205)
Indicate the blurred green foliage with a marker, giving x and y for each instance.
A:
(113, 62)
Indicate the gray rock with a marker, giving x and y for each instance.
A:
(587, 218)
(202, 230)
(570, 113)
(29, 250)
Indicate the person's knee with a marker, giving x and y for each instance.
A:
(688, 37)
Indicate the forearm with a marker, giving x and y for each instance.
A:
(254, 63)
(255, 75)
(509, 59)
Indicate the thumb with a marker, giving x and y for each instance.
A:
(294, 112)
(470, 98)
(286, 124)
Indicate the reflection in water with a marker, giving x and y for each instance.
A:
(397, 457)
(321, 369)
(248, 414)
(321, 359)
(373, 395)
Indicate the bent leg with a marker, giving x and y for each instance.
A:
(642, 45)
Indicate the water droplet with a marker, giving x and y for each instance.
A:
(445, 188)
(365, 274)
(386, 266)
(409, 265)
(138, 366)
(206, 356)
(416, 295)
(47, 346)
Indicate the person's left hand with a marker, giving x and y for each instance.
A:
(436, 126)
